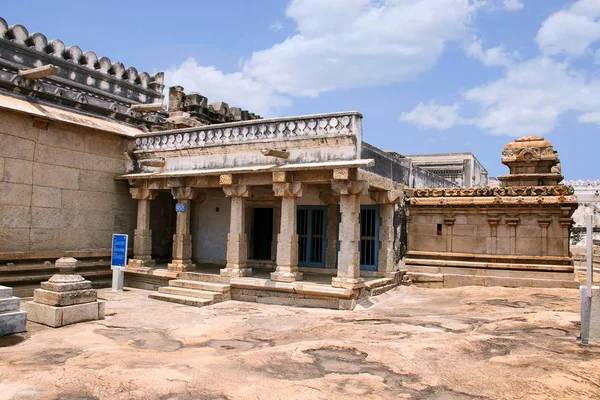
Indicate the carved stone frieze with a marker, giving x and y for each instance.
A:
(510, 191)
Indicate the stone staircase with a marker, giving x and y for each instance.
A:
(11, 319)
(195, 289)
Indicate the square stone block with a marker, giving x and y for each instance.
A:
(66, 287)
(9, 305)
(13, 322)
(64, 298)
(60, 316)
(5, 292)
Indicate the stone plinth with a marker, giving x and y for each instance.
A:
(11, 319)
(66, 298)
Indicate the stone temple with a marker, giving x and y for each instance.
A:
(220, 203)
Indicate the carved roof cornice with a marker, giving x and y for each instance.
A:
(84, 83)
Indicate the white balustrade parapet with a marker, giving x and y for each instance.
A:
(308, 126)
(583, 183)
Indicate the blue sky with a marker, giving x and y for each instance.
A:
(428, 76)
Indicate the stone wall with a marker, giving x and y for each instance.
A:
(401, 169)
(510, 230)
(57, 191)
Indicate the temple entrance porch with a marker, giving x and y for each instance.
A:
(260, 233)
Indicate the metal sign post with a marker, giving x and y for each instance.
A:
(118, 260)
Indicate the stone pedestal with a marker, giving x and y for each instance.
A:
(66, 298)
(11, 319)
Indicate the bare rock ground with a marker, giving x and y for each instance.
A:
(410, 343)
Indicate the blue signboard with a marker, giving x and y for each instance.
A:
(118, 256)
(180, 207)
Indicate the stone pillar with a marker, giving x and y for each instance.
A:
(544, 224)
(287, 239)
(332, 202)
(348, 274)
(387, 202)
(142, 240)
(237, 242)
(182, 240)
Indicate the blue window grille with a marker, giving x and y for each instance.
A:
(311, 227)
(369, 237)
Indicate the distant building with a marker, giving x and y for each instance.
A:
(464, 169)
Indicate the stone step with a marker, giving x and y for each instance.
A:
(10, 304)
(214, 297)
(186, 300)
(382, 289)
(197, 276)
(452, 281)
(481, 272)
(486, 265)
(13, 322)
(199, 285)
(375, 283)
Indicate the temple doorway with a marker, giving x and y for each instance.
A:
(262, 232)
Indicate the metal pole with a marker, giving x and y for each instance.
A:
(589, 255)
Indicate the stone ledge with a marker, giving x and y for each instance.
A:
(292, 287)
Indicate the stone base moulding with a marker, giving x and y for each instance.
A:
(236, 272)
(60, 316)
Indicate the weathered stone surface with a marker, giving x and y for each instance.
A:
(66, 286)
(13, 322)
(18, 171)
(60, 316)
(5, 292)
(61, 299)
(10, 304)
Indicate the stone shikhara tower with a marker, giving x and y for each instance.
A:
(513, 235)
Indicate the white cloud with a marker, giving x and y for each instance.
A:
(432, 115)
(343, 44)
(529, 99)
(339, 44)
(494, 56)
(236, 89)
(276, 26)
(571, 31)
(513, 5)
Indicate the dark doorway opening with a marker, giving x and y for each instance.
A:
(262, 233)
(163, 221)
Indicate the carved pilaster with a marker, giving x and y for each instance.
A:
(512, 223)
(544, 223)
(492, 241)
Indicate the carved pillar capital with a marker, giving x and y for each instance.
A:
(184, 193)
(143, 193)
(288, 190)
(387, 197)
(236, 191)
(342, 187)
